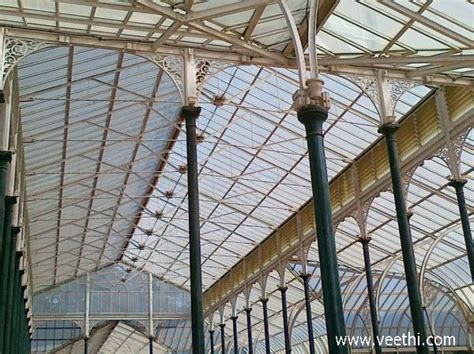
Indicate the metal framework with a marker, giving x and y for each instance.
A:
(101, 87)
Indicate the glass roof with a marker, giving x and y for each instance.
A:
(88, 164)
(105, 154)
(346, 29)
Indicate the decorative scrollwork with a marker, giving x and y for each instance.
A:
(429, 293)
(458, 143)
(397, 89)
(206, 68)
(14, 50)
(451, 154)
(407, 179)
(368, 85)
(365, 312)
(172, 65)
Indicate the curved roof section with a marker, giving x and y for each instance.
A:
(95, 124)
(420, 38)
(253, 169)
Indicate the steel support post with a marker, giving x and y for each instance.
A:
(265, 325)
(248, 311)
(284, 314)
(5, 159)
(150, 345)
(222, 327)
(458, 185)
(388, 130)
(211, 339)
(16, 302)
(371, 293)
(24, 324)
(197, 316)
(11, 292)
(309, 314)
(86, 345)
(313, 117)
(8, 258)
(235, 334)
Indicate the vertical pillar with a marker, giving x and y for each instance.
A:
(150, 345)
(16, 300)
(248, 311)
(16, 303)
(388, 130)
(309, 313)
(222, 327)
(265, 325)
(8, 263)
(5, 158)
(284, 313)
(197, 317)
(211, 339)
(234, 329)
(86, 315)
(86, 345)
(371, 293)
(151, 326)
(458, 185)
(313, 116)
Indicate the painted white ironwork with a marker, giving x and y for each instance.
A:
(13, 50)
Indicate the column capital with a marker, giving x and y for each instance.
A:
(388, 128)
(457, 182)
(264, 300)
(6, 156)
(234, 318)
(191, 112)
(364, 240)
(305, 276)
(248, 309)
(283, 288)
(211, 331)
(11, 199)
(16, 229)
(312, 112)
(221, 325)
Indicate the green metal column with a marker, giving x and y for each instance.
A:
(222, 327)
(197, 314)
(309, 314)
(11, 290)
(150, 345)
(211, 339)
(284, 315)
(15, 301)
(235, 334)
(5, 158)
(388, 130)
(458, 185)
(371, 293)
(248, 311)
(266, 329)
(7, 264)
(313, 117)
